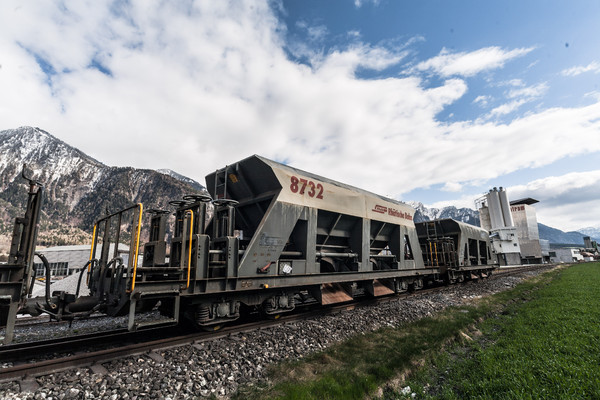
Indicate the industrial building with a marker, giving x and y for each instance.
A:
(525, 219)
(67, 260)
(495, 216)
(513, 228)
(545, 245)
(590, 245)
(566, 255)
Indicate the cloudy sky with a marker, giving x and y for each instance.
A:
(432, 101)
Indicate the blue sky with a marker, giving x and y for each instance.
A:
(559, 34)
(432, 101)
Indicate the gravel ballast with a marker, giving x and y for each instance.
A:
(218, 367)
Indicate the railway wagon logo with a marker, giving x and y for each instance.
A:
(392, 211)
(380, 209)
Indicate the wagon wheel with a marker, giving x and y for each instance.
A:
(178, 203)
(225, 202)
(204, 198)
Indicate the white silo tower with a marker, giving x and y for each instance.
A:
(505, 205)
(495, 211)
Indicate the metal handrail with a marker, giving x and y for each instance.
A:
(114, 265)
(137, 246)
(190, 247)
(89, 265)
(49, 303)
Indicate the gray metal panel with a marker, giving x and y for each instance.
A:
(495, 209)
(269, 239)
(311, 242)
(525, 220)
(484, 218)
(506, 215)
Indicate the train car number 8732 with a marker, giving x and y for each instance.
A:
(298, 185)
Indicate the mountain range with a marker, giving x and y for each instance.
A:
(80, 189)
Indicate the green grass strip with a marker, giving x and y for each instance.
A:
(356, 368)
(546, 348)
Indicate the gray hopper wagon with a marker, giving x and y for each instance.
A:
(279, 235)
(460, 251)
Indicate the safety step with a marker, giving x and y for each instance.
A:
(332, 293)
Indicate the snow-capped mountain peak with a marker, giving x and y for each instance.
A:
(182, 178)
(423, 213)
(590, 231)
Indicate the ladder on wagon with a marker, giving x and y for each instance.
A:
(16, 277)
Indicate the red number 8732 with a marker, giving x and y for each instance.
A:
(298, 185)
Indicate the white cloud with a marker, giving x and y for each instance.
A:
(529, 91)
(513, 82)
(594, 67)
(594, 95)
(482, 100)
(452, 187)
(577, 186)
(506, 108)
(470, 63)
(360, 3)
(359, 55)
(315, 32)
(196, 89)
(521, 95)
(569, 201)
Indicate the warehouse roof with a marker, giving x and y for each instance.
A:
(78, 247)
(526, 200)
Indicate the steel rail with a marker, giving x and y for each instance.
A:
(25, 350)
(47, 320)
(81, 359)
(522, 268)
(84, 359)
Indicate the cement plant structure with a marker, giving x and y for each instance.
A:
(513, 228)
(525, 220)
(495, 216)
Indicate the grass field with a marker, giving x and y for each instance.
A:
(545, 348)
(538, 340)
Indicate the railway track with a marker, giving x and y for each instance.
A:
(135, 343)
(92, 350)
(45, 319)
(521, 268)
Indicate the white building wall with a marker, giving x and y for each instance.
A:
(66, 260)
(525, 219)
(565, 255)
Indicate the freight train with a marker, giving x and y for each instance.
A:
(269, 237)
